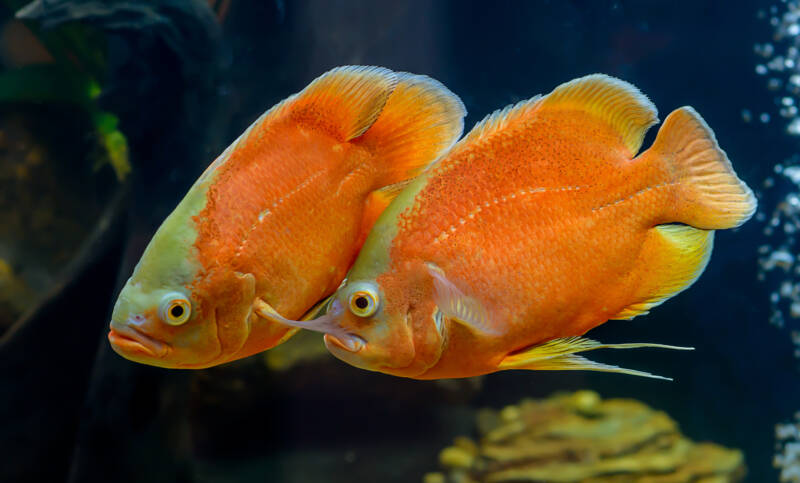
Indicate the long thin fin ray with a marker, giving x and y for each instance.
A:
(572, 362)
(559, 354)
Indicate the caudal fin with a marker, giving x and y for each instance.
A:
(421, 120)
(711, 196)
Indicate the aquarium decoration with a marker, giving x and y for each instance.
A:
(74, 77)
(580, 437)
(52, 124)
(188, 28)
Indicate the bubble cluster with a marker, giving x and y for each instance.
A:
(778, 264)
(779, 62)
(787, 458)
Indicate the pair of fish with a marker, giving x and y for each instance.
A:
(542, 223)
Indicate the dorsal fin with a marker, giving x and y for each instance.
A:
(344, 101)
(614, 101)
(421, 120)
(501, 118)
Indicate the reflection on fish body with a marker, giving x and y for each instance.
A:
(539, 225)
(278, 218)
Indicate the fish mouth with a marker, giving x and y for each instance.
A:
(130, 340)
(351, 343)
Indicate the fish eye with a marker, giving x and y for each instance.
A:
(364, 301)
(175, 308)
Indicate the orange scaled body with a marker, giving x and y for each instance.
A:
(539, 225)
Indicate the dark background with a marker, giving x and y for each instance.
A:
(78, 412)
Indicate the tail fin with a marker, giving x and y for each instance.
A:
(713, 197)
(421, 120)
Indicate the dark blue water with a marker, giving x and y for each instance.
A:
(180, 104)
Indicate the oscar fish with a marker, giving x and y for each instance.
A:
(544, 222)
(277, 219)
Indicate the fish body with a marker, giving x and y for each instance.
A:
(275, 222)
(539, 225)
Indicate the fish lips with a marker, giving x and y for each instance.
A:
(351, 343)
(126, 340)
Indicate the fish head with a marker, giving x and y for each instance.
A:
(175, 311)
(367, 330)
(374, 325)
(173, 326)
(160, 326)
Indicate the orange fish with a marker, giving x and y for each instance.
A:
(539, 225)
(274, 223)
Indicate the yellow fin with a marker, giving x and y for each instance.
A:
(671, 260)
(712, 196)
(614, 101)
(559, 354)
(376, 203)
(421, 120)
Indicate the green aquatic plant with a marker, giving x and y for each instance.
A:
(74, 77)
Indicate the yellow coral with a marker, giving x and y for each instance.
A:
(581, 438)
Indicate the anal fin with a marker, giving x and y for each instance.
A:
(560, 355)
(672, 258)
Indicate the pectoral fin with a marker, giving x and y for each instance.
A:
(560, 355)
(266, 311)
(458, 307)
(314, 319)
